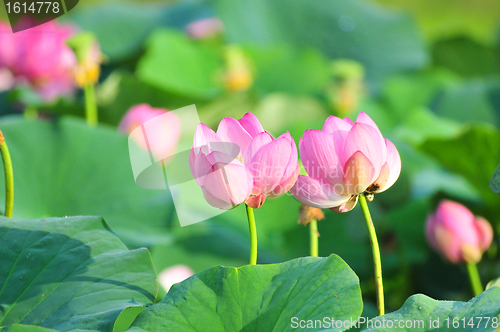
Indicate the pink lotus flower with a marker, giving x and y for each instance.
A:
(40, 57)
(457, 234)
(344, 160)
(7, 51)
(162, 129)
(173, 275)
(242, 163)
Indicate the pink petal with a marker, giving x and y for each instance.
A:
(292, 168)
(369, 141)
(317, 152)
(359, 173)
(221, 157)
(203, 137)
(364, 118)
(380, 184)
(485, 233)
(339, 129)
(270, 164)
(251, 124)
(199, 165)
(459, 220)
(286, 184)
(390, 170)
(226, 186)
(447, 244)
(316, 193)
(333, 124)
(256, 202)
(349, 121)
(259, 141)
(347, 206)
(230, 130)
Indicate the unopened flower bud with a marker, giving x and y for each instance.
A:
(457, 234)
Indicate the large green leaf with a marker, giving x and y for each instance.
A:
(122, 27)
(409, 91)
(69, 274)
(467, 57)
(24, 328)
(384, 41)
(474, 154)
(66, 168)
(474, 101)
(437, 20)
(421, 124)
(257, 297)
(426, 314)
(180, 66)
(281, 68)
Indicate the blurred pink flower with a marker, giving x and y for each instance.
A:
(173, 275)
(162, 128)
(204, 28)
(457, 234)
(242, 163)
(344, 160)
(8, 50)
(40, 57)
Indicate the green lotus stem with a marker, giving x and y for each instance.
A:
(90, 105)
(475, 280)
(313, 228)
(253, 235)
(376, 255)
(9, 177)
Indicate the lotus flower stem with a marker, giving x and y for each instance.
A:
(313, 227)
(90, 105)
(253, 235)
(9, 177)
(475, 280)
(376, 255)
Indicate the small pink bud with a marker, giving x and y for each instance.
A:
(162, 130)
(457, 234)
(204, 28)
(173, 275)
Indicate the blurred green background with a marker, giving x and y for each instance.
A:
(427, 72)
